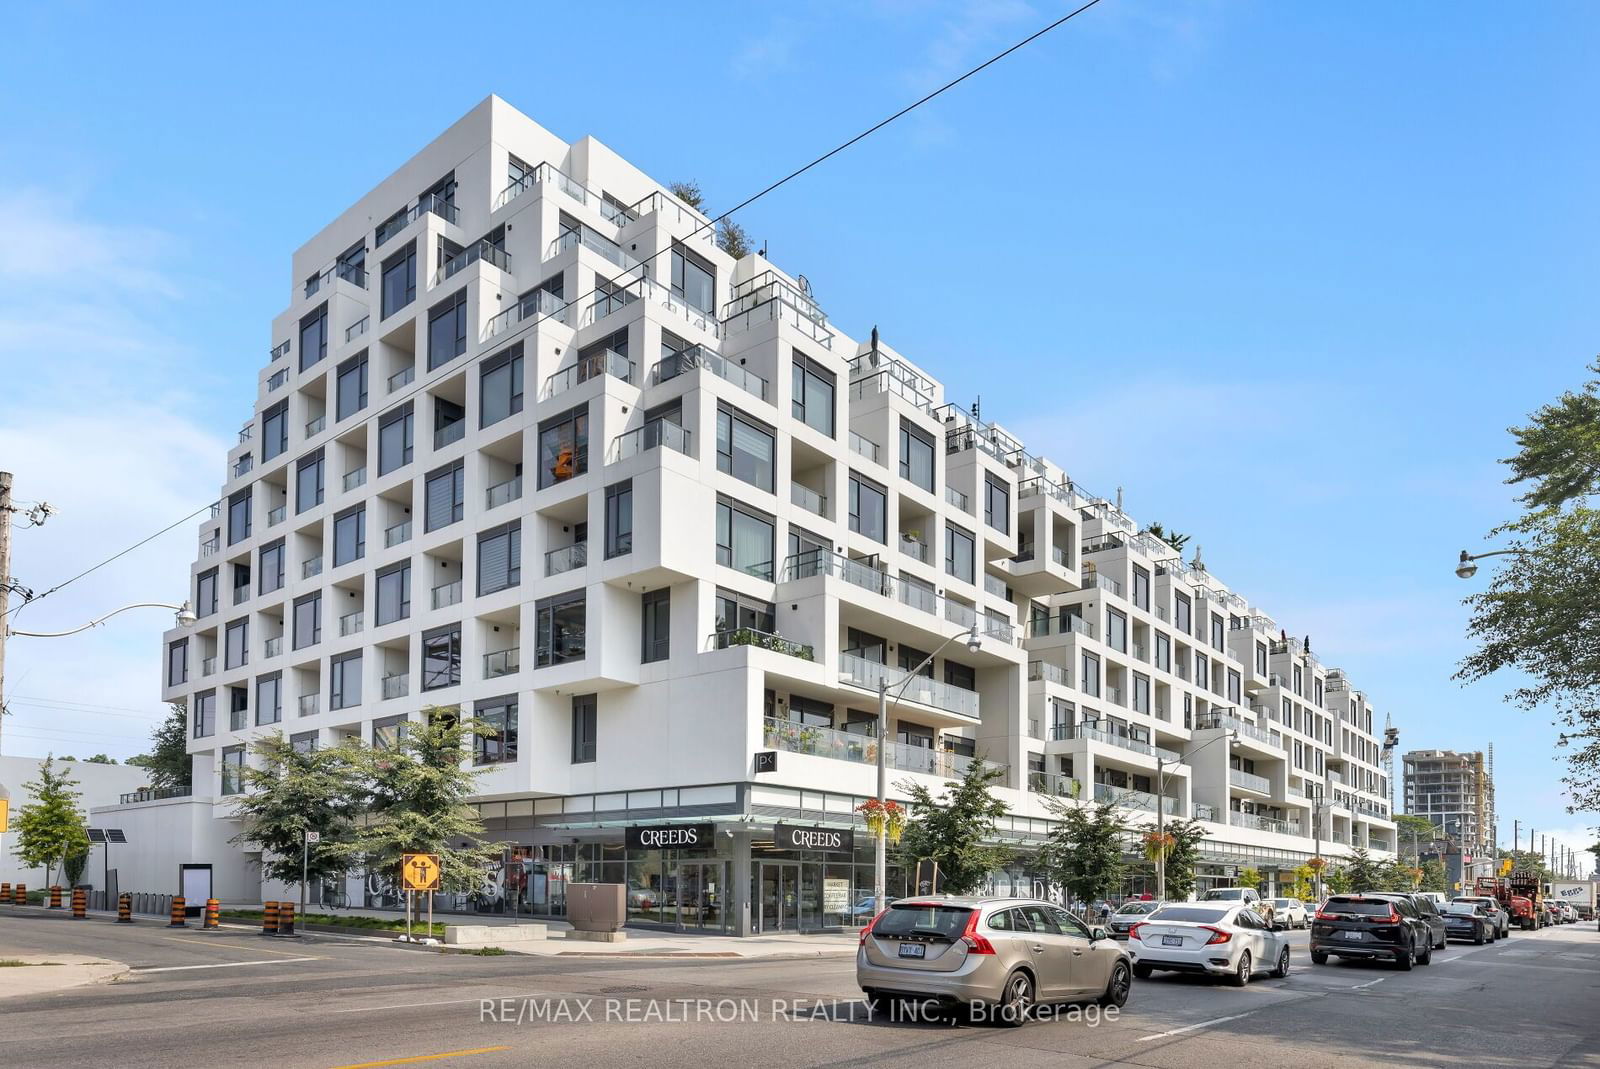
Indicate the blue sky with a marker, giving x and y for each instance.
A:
(1284, 273)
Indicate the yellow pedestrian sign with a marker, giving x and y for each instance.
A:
(420, 872)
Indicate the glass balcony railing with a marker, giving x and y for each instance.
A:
(749, 636)
(311, 567)
(566, 558)
(316, 426)
(503, 493)
(864, 447)
(652, 435)
(808, 499)
(393, 536)
(915, 548)
(279, 351)
(1128, 798)
(272, 647)
(698, 356)
(1054, 783)
(586, 368)
(482, 249)
(539, 304)
(502, 663)
(593, 241)
(862, 749)
(310, 704)
(277, 515)
(1249, 781)
(351, 623)
(1251, 820)
(402, 377)
(826, 562)
(358, 328)
(449, 434)
(1044, 671)
(930, 692)
(447, 594)
(353, 479)
(958, 499)
(396, 685)
(277, 379)
(1112, 738)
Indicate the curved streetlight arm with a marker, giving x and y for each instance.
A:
(1231, 734)
(1465, 556)
(181, 610)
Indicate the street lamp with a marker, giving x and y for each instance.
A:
(1467, 566)
(185, 618)
(880, 867)
(1161, 806)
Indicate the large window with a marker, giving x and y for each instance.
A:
(869, 509)
(916, 456)
(238, 708)
(959, 553)
(694, 279)
(351, 386)
(495, 740)
(813, 394)
(1182, 611)
(560, 629)
(232, 766)
(500, 558)
(1141, 694)
(393, 600)
(500, 386)
(585, 728)
(205, 593)
(274, 430)
(745, 539)
(736, 612)
(745, 447)
(1089, 682)
(178, 662)
(314, 336)
(444, 495)
(388, 731)
(619, 519)
(239, 516)
(236, 643)
(997, 504)
(350, 535)
(344, 680)
(307, 620)
(395, 439)
(399, 280)
(1163, 652)
(441, 657)
(1141, 588)
(272, 566)
(1116, 630)
(655, 620)
(447, 329)
(563, 447)
(269, 698)
(1235, 686)
(1219, 636)
(308, 481)
(303, 742)
(205, 714)
(449, 422)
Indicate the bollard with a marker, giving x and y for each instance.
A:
(80, 904)
(19, 895)
(55, 896)
(125, 908)
(5, 892)
(213, 914)
(180, 910)
(285, 918)
(269, 919)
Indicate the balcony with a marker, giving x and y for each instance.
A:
(396, 685)
(566, 558)
(593, 241)
(272, 647)
(808, 499)
(152, 794)
(825, 562)
(316, 426)
(861, 672)
(351, 623)
(749, 636)
(503, 493)
(502, 663)
(208, 666)
(1233, 723)
(955, 497)
(241, 594)
(449, 433)
(1250, 820)
(589, 367)
(1128, 798)
(358, 328)
(482, 249)
(277, 379)
(862, 749)
(279, 351)
(539, 305)
(652, 435)
(1059, 555)
(353, 479)
(402, 377)
(698, 356)
(996, 586)
(211, 545)
(393, 536)
(1111, 738)
(277, 515)
(428, 202)
(865, 447)
(1049, 673)
(1104, 582)
(310, 704)
(1249, 781)
(311, 567)
(446, 594)
(1054, 783)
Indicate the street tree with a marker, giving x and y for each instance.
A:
(1250, 878)
(1537, 614)
(288, 792)
(1434, 877)
(1304, 885)
(168, 760)
(1182, 850)
(1337, 880)
(1084, 851)
(417, 793)
(956, 830)
(1524, 861)
(1364, 873)
(50, 828)
(1411, 829)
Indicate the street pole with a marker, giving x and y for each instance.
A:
(1161, 832)
(305, 861)
(5, 587)
(880, 860)
(1316, 824)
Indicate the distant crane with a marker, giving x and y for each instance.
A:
(1391, 742)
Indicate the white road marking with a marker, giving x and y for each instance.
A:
(1194, 1027)
(1369, 983)
(221, 965)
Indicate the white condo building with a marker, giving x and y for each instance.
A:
(656, 530)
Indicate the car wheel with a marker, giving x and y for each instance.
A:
(1477, 938)
(1427, 956)
(1406, 958)
(1241, 975)
(1143, 971)
(1283, 964)
(1016, 1003)
(1116, 993)
(1319, 957)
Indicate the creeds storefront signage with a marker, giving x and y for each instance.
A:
(800, 837)
(670, 836)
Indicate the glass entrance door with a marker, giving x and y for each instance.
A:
(778, 897)
(700, 890)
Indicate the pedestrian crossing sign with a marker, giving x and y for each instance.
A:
(420, 872)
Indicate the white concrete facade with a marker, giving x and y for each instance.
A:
(97, 785)
(814, 510)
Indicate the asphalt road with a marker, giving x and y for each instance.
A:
(236, 998)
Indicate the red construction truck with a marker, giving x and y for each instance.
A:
(1519, 894)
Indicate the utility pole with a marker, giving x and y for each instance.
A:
(5, 584)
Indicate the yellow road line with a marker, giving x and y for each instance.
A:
(423, 1058)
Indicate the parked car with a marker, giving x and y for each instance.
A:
(1571, 911)
(1438, 898)
(1246, 895)
(1492, 906)
(1429, 912)
(1218, 938)
(1128, 914)
(1002, 956)
(1371, 925)
(1290, 912)
(866, 907)
(1470, 920)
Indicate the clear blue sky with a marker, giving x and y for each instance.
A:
(1284, 272)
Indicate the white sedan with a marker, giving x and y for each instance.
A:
(1214, 938)
(1290, 912)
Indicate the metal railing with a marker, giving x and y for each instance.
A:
(502, 662)
(537, 304)
(446, 594)
(482, 249)
(862, 749)
(400, 532)
(589, 367)
(428, 202)
(749, 636)
(653, 434)
(1104, 582)
(396, 685)
(154, 794)
(589, 239)
(779, 309)
(351, 622)
(826, 562)
(698, 356)
(279, 351)
(1249, 731)
(566, 558)
(865, 447)
(358, 328)
(502, 493)
(1249, 781)
(1111, 738)
(276, 380)
(958, 499)
(920, 689)
(808, 499)
(208, 666)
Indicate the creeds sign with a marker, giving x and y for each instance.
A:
(670, 836)
(801, 837)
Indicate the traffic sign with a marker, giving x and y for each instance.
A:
(313, 837)
(420, 872)
(5, 813)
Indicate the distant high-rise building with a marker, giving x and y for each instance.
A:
(1455, 791)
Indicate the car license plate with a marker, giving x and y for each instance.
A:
(913, 950)
(1354, 935)
(1172, 940)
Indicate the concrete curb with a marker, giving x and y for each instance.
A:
(48, 974)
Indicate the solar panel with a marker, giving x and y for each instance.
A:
(114, 835)
(96, 835)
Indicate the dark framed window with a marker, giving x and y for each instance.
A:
(239, 516)
(441, 657)
(307, 620)
(997, 504)
(655, 624)
(232, 766)
(745, 539)
(960, 551)
(813, 398)
(911, 657)
(308, 481)
(694, 279)
(619, 519)
(560, 629)
(238, 708)
(205, 593)
(303, 742)
(1141, 588)
(500, 558)
(314, 336)
(1182, 612)
(738, 612)
(495, 741)
(399, 280)
(351, 387)
(395, 436)
(344, 680)
(388, 731)
(1089, 682)
(393, 597)
(960, 675)
(269, 698)
(1117, 630)
(746, 448)
(449, 422)
(350, 535)
(447, 329)
(274, 430)
(585, 728)
(205, 714)
(916, 456)
(500, 386)
(236, 643)
(869, 508)
(271, 567)
(1235, 686)
(1219, 632)
(178, 662)
(564, 447)
(1163, 652)
(444, 496)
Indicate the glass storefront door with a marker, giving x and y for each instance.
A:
(778, 897)
(701, 889)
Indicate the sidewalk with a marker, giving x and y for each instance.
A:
(43, 974)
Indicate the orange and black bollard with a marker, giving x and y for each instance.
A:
(180, 910)
(285, 918)
(5, 892)
(55, 896)
(213, 914)
(125, 908)
(80, 904)
(19, 895)
(269, 919)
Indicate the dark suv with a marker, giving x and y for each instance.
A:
(1427, 911)
(1372, 926)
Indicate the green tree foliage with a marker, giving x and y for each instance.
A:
(1337, 880)
(1084, 851)
(1523, 861)
(1172, 538)
(688, 192)
(1538, 613)
(1182, 857)
(1304, 886)
(417, 795)
(288, 792)
(168, 760)
(1406, 825)
(1364, 873)
(99, 759)
(1434, 877)
(955, 829)
(732, 239)
(50, 828)
(1250, 878)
